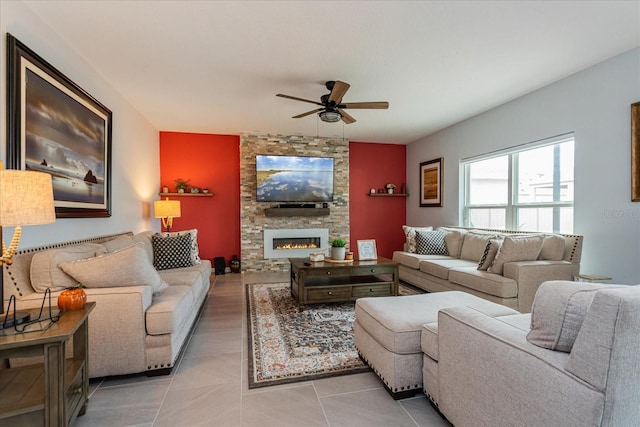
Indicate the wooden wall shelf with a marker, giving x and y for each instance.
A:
(188, 194)
(280, 212)
(388, 195)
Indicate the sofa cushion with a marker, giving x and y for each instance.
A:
(171, 251)
(441, 267)
(490, 252)
(413, 260)
(474, 244)
(431, 242)
(126, 267)
(429, 340)
(558, 311)
(45, 272)
(144, 237)
(517, 248)
(485, 282)
(453, 238)
(168, 309)
(410, 234)
(552, 248)
(118, 243)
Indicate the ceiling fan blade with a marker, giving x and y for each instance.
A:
(374, 105)
(307, 113)
(298, 99)
(338, 91)
(346, 117)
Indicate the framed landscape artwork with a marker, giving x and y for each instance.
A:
(635, 152)
(431, 183)
(54, 126)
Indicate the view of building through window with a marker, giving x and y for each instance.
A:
(529, 189)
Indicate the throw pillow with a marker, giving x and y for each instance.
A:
(193, 236)
(118, 243)
(474, 244)
(410, 234)
(45, 273)
(171, 251)
(558, 311)
(516, 248)
(489, 254)
(126, 267)
(431, 243)
(552, 248)
(453, 239)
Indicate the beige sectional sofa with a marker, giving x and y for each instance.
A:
(143, 314)
(460, 268)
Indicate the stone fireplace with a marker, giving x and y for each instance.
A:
(294, 243)
(254, 223)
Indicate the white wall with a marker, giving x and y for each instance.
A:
(595, 104)
(135, 173)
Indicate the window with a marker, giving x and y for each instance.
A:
(526, 188)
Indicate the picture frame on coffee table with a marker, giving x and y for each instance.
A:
(367, 250)
(431, 183)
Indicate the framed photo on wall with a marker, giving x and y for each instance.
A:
(367, 250)
(431, 183)
(55, 127)
(635, 152)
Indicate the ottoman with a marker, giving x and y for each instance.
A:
(388, 331)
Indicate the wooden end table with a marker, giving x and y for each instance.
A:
(57, 388)
(320, 282)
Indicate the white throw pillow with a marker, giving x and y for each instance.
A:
(118, 243)
(410, 234)
(516, 248)
(45, 273)
(552, 248)
(558, 311)
(474, 245)
(126, 267)
(453, 238)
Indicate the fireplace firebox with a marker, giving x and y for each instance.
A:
(293, 242)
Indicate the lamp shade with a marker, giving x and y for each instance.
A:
(26, 198)
(166, 208)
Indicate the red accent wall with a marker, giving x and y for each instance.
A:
(211, 161)
(379, 218)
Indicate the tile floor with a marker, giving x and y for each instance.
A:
(208, 385)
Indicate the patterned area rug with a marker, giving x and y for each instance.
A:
(289, 345)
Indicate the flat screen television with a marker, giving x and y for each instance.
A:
(294, 179)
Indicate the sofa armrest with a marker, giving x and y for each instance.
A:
(487, 363)
(529, 275)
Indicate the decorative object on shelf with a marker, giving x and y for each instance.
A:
(26, 198)
(431, 183)
(367, 250)
(381, 190)
(205, 190)
(234, 264)
(635, 152)
(167, 210)
(195, 190)
(372, 191)
(348, 256)
(73, 298)
(338, 248)
(182, 185)
(165, 189)
(390, 187)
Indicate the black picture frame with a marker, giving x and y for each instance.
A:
(431, 183)
(55, 126)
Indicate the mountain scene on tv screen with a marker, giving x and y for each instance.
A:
(294, 179)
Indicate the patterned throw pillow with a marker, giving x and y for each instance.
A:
(193, 235)
(489, 254)
(431, 243)
(171, 251)
(410, 234)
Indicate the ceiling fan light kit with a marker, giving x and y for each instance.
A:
(332, 107)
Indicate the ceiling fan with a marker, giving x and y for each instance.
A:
(332, 106)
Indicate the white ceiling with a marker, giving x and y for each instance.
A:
(215, 66)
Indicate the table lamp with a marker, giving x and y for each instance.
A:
(26, 198)
(167, 210)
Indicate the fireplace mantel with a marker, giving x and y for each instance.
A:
(278, 212)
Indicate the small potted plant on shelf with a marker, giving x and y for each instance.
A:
(338, 248)
(181, 185)
(390, 187)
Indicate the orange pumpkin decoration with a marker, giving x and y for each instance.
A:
(72, 298)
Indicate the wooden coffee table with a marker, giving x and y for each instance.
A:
(319, 282)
